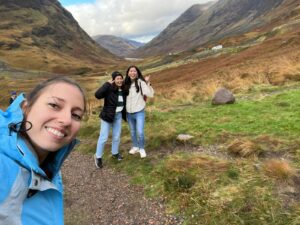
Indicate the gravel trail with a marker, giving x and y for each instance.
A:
(104, 196)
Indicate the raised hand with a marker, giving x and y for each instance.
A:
(147, 79)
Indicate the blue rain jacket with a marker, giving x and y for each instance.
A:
(27, 195)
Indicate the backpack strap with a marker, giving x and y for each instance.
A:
(141, 88)
(144, 96)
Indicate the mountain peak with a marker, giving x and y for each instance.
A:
(117, 45)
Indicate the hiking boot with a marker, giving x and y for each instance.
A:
(143, 153)
(117, 156)
(134, 150)
(98, 162)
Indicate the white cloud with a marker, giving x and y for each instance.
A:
(134, 19)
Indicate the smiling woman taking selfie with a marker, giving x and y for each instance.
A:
(36, 136)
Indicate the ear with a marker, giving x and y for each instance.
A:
(25, 107)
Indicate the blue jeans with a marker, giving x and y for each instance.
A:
(136, 123)
(104, 133)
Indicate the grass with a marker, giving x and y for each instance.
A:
(274, 115)
(207, 190)
(212, 190)
(279, 169)
(243, 148)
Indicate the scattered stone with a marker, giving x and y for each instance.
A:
(184, 137)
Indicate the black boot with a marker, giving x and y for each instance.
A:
(98, 162)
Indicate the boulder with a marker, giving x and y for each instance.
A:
(223, 96)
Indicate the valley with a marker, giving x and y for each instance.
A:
(242, 165)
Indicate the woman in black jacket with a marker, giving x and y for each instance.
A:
(111, 116)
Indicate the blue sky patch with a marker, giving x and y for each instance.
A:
(74, 2)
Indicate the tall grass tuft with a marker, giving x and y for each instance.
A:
(279, 169)
(244, 148)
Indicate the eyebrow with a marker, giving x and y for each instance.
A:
(63, 100)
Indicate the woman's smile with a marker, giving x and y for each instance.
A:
(56, 132)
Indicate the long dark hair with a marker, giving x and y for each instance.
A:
(128, 80)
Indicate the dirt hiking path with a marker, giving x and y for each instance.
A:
(104, 196)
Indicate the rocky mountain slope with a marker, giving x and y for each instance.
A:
(214, 21)
(118, 46)
(268, 54)
(167, 38)
(42, 35)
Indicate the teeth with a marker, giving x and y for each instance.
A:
(55, 132)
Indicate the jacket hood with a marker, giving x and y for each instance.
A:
(14, 146)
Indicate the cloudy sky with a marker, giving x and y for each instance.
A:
(138, 20)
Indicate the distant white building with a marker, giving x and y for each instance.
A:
(217, 47)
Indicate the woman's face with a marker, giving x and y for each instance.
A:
(55, 117)
(132, 73)
(119, 81)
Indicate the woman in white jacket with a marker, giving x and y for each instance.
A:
(138, 87)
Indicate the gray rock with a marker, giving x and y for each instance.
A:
(223, 96)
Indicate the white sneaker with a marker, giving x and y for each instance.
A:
(134, 150)
(143, 153)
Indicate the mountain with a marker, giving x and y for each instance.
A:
(210, 22)
(42, 35)
(117, 45)
(266, 54)
(136, 43)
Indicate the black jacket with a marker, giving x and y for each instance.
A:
(110, 94)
